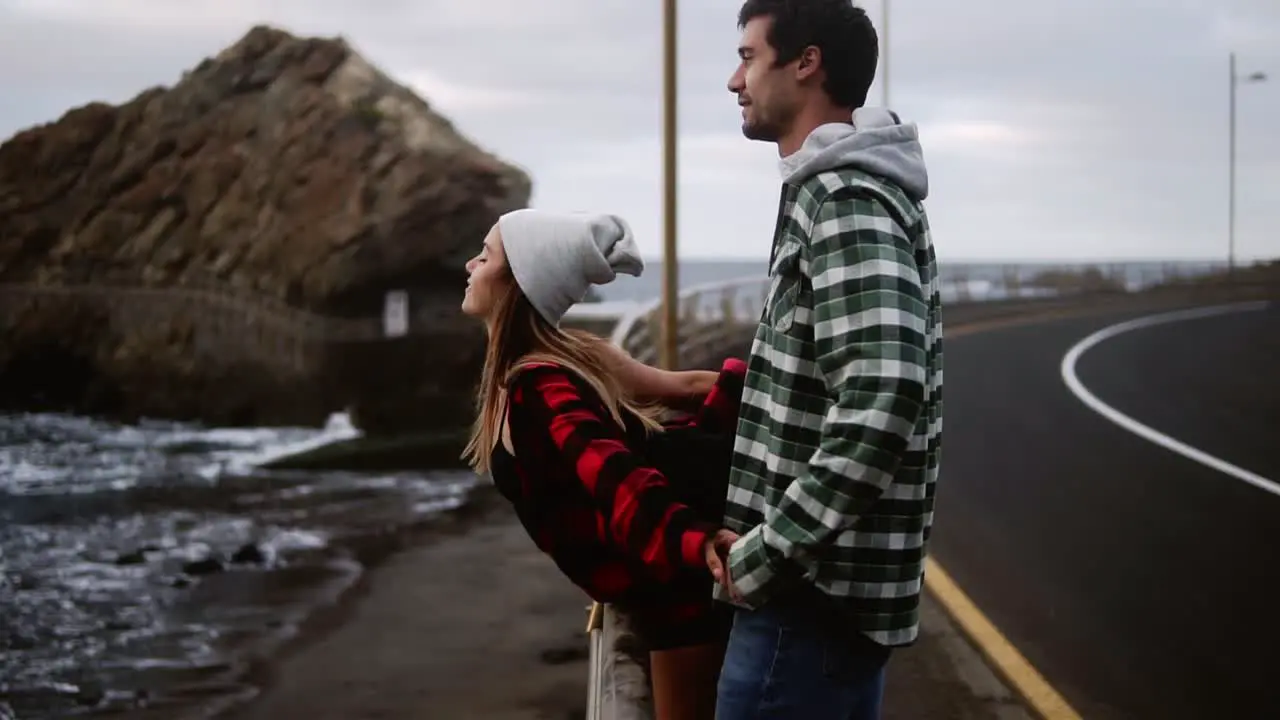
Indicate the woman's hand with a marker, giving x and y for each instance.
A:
(716, 553)
(644, 382)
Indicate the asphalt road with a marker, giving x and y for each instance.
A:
(1140, 583)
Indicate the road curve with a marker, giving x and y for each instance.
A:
(1136, 579)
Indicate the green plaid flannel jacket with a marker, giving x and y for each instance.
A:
(836, 459)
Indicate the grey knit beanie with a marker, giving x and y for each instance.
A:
(556, 257)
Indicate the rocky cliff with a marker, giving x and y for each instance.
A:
(285, 172)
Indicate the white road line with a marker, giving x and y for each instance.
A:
(1080, 391)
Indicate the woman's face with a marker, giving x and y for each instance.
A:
(487, 279)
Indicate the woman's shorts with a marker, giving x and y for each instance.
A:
(709, 627)
(680, 614)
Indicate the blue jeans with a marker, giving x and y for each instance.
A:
(784, 665)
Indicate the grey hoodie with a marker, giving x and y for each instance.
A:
(876, 143)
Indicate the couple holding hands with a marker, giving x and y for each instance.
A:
(765, 526)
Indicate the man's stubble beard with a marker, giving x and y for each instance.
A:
(761, 131)
(769, 128)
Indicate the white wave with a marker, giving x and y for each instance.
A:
(337, 428)
(67, 453)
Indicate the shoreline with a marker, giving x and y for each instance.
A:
(260, 671)
(384, 649)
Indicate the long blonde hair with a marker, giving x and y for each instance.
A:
(520, 337)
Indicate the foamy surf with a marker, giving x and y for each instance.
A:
(260, 446)
(141, 560)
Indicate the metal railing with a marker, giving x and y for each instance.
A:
(245, 303)
(222, 323)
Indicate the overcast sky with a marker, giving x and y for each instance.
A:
(1053, 129)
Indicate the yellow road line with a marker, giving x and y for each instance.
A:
(994, 646)
(1029, 683)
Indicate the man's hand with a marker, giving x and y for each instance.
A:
(716, 552)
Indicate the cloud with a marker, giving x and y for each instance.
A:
(137, 16)
(454, 97)
(1053, 129)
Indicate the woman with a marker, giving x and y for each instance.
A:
(567, 427)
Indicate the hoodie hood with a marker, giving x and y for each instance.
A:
(876, 143)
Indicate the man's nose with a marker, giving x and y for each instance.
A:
(735, 82)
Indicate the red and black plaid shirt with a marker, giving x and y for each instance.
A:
(610, 522)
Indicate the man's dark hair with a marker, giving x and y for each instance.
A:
(841, 31)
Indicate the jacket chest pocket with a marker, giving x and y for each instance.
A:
(785, 287)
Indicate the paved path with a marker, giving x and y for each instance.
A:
(1138, 581)
(479, 625)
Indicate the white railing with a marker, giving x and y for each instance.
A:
(708, 315)
(964, 283)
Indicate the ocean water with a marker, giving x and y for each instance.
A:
(143, 567)
(976, 280)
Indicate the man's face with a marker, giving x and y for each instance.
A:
(767, 94)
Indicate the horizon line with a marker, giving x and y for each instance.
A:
(1002, 261)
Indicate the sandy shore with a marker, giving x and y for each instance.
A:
(472, 623)
(476, 623)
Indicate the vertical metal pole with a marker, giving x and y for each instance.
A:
(1231, 168)
(884, 51)
(669, 355)
(595, 662)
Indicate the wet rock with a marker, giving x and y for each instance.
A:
(204, 566)
(90, 696)
(136, 557)
(248, 554)
(23, 581)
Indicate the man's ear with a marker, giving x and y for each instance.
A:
(810, 62)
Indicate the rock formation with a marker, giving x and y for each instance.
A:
(285, 173)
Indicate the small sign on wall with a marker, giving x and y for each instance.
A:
(395, 314)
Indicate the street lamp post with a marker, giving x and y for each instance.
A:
(884, 51)
(669, 347)
(1235, 80)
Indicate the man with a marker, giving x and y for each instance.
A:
(836, 458)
